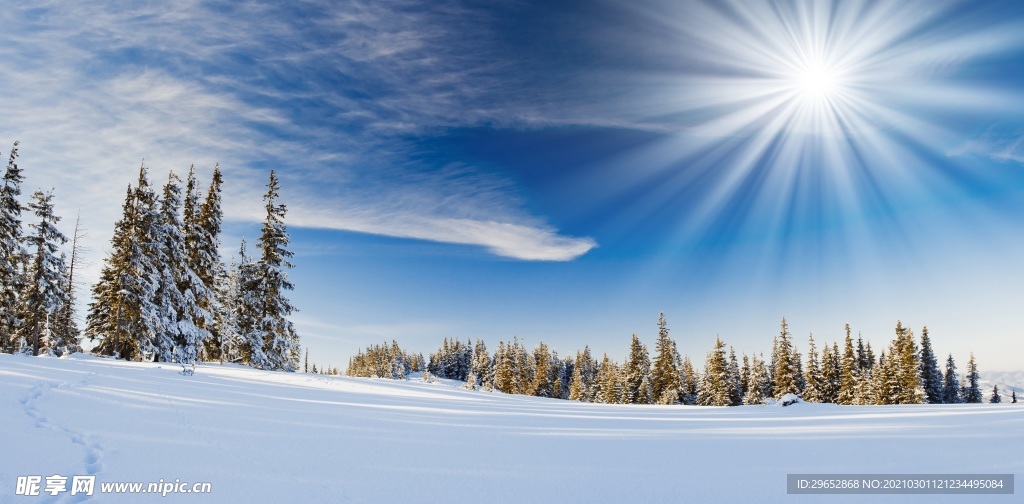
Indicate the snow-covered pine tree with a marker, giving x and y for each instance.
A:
(691, 382)
(849, 372)
(11, 252)
(994, 398)
(608, 377)
(716, 387)
(280, 340)
(481, 368)
(246, 314)
(813, 391)
(203, 237)
(972, 392)
(503, 369)
(524, 367)
(830, 374)
(756, 380)
(566, 368)
(736, 395)
(176, 338)
(637, 374)
(542, 385)
(44, 289)
(785, 369)
(666, 377)
(122, 314)
(908, 367)
(931, 378)
(583, 374)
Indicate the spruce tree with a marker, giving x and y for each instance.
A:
(994, 398)
(64, 326)
(608, 377)
(690, 382)
(931, 378)
(11, 252)
(950, 383)
(814, 390)
(716, 387)
(583, 374)
(831, 374)
(786, 381)
(756, 381)
(280, 341)
(972, 392)
(736, 392)
(637, 374)
(206, 262)
(666, 377)
(44, 291)
(542, 385)
(849, 372)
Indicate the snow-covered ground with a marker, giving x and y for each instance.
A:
(291, 437)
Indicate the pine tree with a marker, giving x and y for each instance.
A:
(736, 392)
(758, 377)
(480, 375)
(280, 341)
(690, 382)
(637, 374)
(583, 376)
(204, 257)
(972, 392)
(11, 252)
(608, 377)
(994, 398)
(786, 381)
(44, 291)
(542, 385)
(716, 388)
(831, 374)
(666, 377)
(813, 391)
(849, 372)
(503, 369)
(931, 378)
(248, 304)
(950, 383)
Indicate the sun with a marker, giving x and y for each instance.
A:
(815, 81)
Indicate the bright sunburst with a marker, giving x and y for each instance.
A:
(817, 80)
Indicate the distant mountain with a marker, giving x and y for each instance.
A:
(1007, 380)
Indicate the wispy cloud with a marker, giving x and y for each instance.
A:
(1002, 148)
(334, 96)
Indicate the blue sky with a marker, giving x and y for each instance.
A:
(564, 170)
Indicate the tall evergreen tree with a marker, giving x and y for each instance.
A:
(64, 326)
(931, 378)
(608, 377)
(205, 259)
(849, 372)
(583, 375)
(11, 252)
(122, 315)
(831, 374)
(716, 387)
(543, 385)
(666, 377)
(756, 381)
(814, 390)
(280, 340)
(44, 291)
(786, 381)
(690, 382)
(972, 392)
(638, 374)
(950, 383)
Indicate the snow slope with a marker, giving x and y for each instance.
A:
(290, 437)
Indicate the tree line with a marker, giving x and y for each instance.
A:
(848, 372)
(164, 293)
